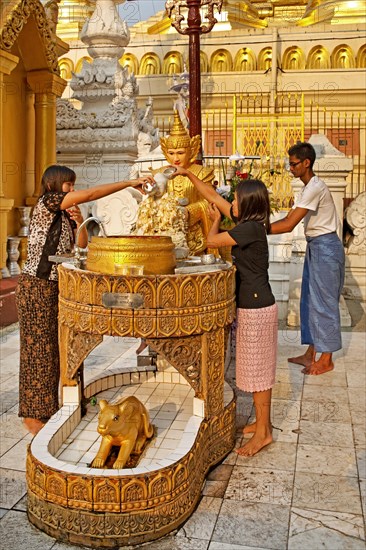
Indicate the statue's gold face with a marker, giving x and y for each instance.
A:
(178, 157)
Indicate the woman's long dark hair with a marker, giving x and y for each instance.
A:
(253, 202)
(54, 176)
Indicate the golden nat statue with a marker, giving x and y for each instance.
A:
(181, 150)
(125, 424)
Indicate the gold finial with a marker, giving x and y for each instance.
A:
(179, 137)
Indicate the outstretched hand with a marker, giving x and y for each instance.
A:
(139, 183)
(75, 214)
(214, 212)
(179, 171)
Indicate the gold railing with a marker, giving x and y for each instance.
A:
(256, 125)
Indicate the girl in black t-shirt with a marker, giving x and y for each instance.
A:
(256, 335)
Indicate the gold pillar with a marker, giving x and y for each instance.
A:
(30, 176)
(46, 87)
(7, 63)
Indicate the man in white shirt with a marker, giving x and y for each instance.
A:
(323, 274)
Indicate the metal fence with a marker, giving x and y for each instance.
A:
(261, 126)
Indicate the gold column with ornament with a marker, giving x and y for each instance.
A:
(8, 62)
(47, 87)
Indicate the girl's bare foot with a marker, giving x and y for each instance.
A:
(250, 428)
(318, 368)
(142, 346)
(33, 425)
(255, 444)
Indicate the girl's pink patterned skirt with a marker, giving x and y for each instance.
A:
(256, 348)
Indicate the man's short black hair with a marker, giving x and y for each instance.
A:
(303, 150)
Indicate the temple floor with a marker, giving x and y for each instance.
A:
(306, 490)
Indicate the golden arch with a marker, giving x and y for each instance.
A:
(265, 59)
(245, 61)
(343, 57)
(66, 66)
(361, 58)
(221, 61)
(130, 61)
(150, 64)
(293, 59)
(318, 58)
(173, 63)
(204, 62)
(79, 64)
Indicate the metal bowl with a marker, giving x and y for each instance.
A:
(168, 172)
(208, 259)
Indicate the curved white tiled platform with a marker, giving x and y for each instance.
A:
(56, 445)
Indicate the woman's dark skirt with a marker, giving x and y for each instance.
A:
(39, 371)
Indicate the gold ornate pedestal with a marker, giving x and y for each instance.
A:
(185, 319)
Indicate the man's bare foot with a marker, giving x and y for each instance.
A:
(318, 368)
(141, 347)
(254, 445)
(303, 360)
(33, 425)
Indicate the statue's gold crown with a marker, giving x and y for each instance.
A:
(179, 138)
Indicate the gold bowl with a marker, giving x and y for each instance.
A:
(155, 253)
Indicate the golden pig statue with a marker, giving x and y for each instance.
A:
(125, 424)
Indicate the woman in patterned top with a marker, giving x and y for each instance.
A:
(54, 222)
(256, 334)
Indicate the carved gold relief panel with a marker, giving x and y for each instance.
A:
(39, 479)
(122, 322)
(208, 290)
(133, 495)
(221, 287)
(117, 525)
(122, 285)
(188, 322)
(92, 525)
(85, 293)
(102, 320)
(179, 477)
(67, 284)
(167, 293)
(167, 323)
(189, 293)
(56, 488)
(159, 489)
(184, 354)
(206, 321)
(147, 288)
(80, 492)
(101, 284)
(74, 348)
(145, 323)
(67, 312)
(83, 319)
(141, 524)
(106, 494)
